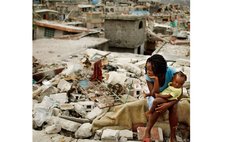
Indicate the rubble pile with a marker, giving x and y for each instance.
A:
(66, 104)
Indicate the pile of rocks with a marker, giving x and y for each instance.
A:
(66, 103)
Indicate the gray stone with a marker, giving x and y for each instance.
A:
(61, 138)
(87, 140)
(48, 91)
(66, 106)
(64, 86)
(110, 135)
(65, 124)
(183, 110)
(126, 134)
(56, 111)
(79, 120)
(65, 113)
(53, 129)
(98, 134)
(84, 131)
(60, 97)
(185, 92)
(41, 136)
(183, 62)
(132, 68)
(94, 113)
(80, 109)
(123, 139)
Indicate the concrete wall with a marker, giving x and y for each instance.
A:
(125, 33)
(58, 33)
(39, 32)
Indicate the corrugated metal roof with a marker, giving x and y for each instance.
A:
(45, 10)
(62, 27)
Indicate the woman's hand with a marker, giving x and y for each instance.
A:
(164, 106)
(153, 77)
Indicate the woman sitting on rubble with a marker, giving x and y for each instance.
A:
(156, 65)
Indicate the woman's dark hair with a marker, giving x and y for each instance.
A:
(159, 65)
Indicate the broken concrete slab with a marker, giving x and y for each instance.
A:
(109, 135)
(47, 74)
(53, 129)
(66, 106)
(98, 134)
(115, 77)
(80, 109)
(126, 134)
(40, 136)
(65, 124)
(132, 68)
(87, 140)
(183, 62)
(43, 110)
(94, 113)
(60, 97)
(61, 138)
(79, 120)
(47, 92)
(72, 67)
(183, 110)
(84, 131)
(56, 112)
(64, 86)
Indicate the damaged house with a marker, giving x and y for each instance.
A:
(126, 33)
(49, 29)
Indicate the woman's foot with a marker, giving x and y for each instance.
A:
(146, 137)
(146, 140)
(172, 139)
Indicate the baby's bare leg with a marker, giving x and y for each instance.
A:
(156, 102)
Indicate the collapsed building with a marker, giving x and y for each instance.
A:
(126, 33)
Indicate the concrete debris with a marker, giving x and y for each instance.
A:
(84, 131)
(126, 134)
(115, 77)
(93, 113)
(40, 136)
(65, 124)
(66, 107)
(80, 109)
(79, 120)
(110, 135)
(53, 129)
(60, 98)
(64, 86)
